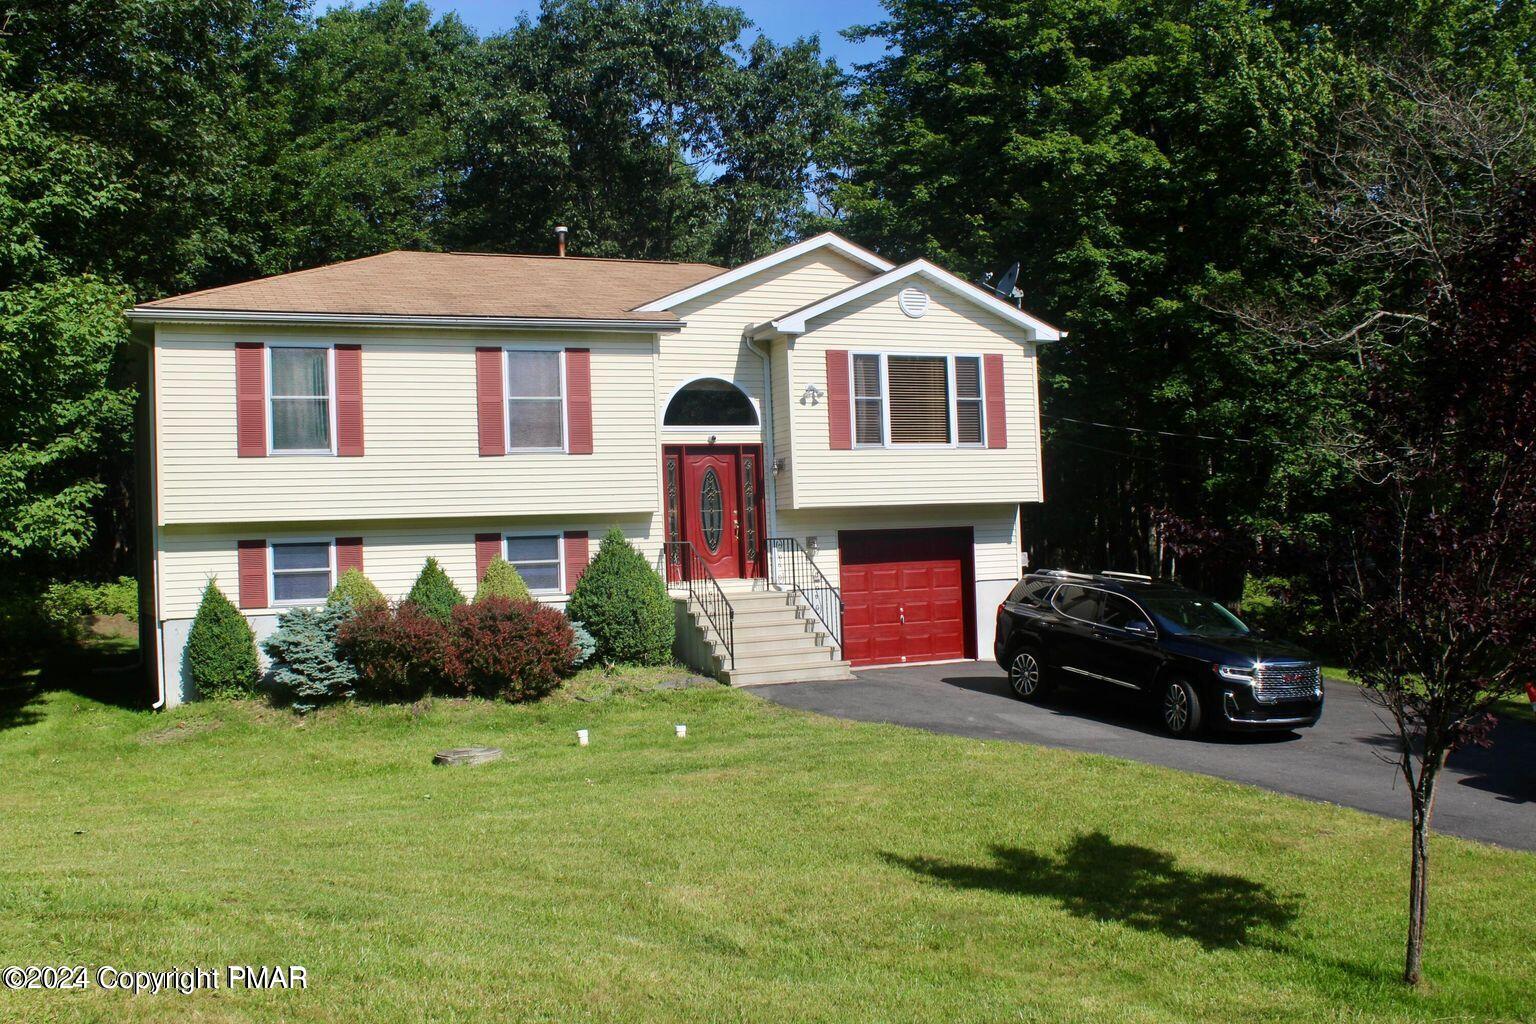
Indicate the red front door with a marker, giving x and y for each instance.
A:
(712, 513)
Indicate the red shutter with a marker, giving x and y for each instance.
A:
(490, 405)
(253, 573)
(250, 399)
(578, 401)
(997, 406)
(349, 554)
(575, 557)
(349, 401)
(839, 403)
(487, 547)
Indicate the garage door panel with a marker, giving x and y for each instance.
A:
(905, 595)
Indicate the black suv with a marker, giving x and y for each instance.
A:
(1196, 661)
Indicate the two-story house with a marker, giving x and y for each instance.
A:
(818, 429)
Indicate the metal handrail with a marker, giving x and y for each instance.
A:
(685, 566)
(807, 582)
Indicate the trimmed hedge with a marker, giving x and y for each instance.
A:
(502, 579)
(623, 603)
(511, 650)
(434, 593)
(400, 653)
(221, 649)
(356, 590)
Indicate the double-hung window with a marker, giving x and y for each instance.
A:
(912, 400)
(535, 401)
(302, 572)
(537, 561)
(300, 399)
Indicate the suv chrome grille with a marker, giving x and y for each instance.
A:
(1286, 680)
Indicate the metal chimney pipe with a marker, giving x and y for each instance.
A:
(560, 232)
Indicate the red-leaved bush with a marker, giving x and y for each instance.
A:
(400, 653)
(495, 648)
(512, 650)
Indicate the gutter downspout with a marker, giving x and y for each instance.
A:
(771, 498)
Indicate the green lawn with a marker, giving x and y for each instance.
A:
(1510, 707)
(773, 866)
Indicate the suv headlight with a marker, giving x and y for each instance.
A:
(1236, 673)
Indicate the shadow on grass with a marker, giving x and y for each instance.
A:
(1102, 880)
(104, 669)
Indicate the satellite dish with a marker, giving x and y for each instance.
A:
(1004, 287)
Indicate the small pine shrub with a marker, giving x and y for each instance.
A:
(355, 589)
(511, 650)
(307, 663)
(434, 593)
(623, 603)
(501, 579)
(585, 645)
(400, 653)
(221, 649)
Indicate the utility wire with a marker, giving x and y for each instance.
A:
(1198, 437)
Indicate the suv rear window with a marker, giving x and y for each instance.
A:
(1032, 592)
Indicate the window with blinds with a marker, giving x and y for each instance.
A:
(919, 397)
(968, 417)
(868, 401)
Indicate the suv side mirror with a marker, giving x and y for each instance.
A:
(1140, 627)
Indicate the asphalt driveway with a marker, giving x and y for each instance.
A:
(1486, 794)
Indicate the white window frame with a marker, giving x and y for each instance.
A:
(757, 410)
(330, 393)
(272, 570)
(885, 400)
(559, 536)
(507, 399)
(955, 400)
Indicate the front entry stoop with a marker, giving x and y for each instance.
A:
(777, 639)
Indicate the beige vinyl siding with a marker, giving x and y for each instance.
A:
(711, 343)
(783, 425)
(421, 433)
(393, 552)
(995, 532)
(823, 477)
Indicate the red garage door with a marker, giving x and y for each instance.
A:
(907, 595)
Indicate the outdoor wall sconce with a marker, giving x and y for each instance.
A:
(812, 396)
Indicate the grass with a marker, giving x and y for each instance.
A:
(773, 866)
(1509, 707)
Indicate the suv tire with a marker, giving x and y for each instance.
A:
(1026, 675)
(1180, 709)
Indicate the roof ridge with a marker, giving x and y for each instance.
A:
(590, 259)
(286, 273)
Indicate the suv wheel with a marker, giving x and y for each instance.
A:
(1181, 710)
(1026, 675)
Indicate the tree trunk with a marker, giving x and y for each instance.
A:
(1418, 876)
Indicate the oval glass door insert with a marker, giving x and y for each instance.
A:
(711, 510)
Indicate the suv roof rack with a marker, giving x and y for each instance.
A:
(1064, 574)
(1115, 575)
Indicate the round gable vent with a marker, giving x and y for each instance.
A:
(913, 302)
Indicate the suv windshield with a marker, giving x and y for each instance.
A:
(1192, 615)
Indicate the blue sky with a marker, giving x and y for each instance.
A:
(780, 20)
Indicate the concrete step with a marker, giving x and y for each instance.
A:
(788, 630)
(752, 650)
(832, 671)
(807, 657)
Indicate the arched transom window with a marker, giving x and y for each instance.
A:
(710, 402)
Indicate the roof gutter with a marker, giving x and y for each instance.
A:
(148, 314)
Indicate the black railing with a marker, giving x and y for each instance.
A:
(790, 568)
(685, 567)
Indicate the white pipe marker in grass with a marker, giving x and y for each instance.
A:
(682, 731)
(581, 737)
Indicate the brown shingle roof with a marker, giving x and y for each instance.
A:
(403, 283)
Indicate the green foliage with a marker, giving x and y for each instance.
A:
(307, 663)
(356, 590)
(623, 603)
(220, 655)
(501, 579)
(586, 646)
(434, 594)
(65, 604)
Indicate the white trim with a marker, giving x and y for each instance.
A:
(272, 601)
(827, 240)
(330, 394)
(757, 410)
(507, 400)
(796, 322)
(559, 536)
(228, 316)
(885, 402)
